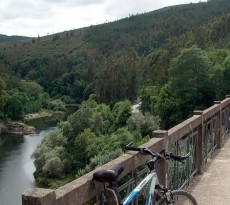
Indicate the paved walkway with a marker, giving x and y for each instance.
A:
(213, 187)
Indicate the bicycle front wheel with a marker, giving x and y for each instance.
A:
(180, 198)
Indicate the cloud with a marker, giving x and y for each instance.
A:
(25, 9)
(28, 17)
(75, 2)
(125, 7)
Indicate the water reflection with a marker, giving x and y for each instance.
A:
(8, 143)
(16, 165)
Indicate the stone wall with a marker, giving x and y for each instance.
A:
(84, 188)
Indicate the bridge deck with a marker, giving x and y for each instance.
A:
(213, 187)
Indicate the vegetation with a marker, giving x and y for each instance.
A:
(4, 38)
(92, 136)
(174, 60)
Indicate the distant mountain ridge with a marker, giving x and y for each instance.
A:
(5, 38)
(144, 33)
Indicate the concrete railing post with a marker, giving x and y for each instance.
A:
(228, 96)
(162, 168)
(218, 124)
(199, 158)
(38, 196)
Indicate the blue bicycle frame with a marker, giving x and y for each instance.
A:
(154, 180)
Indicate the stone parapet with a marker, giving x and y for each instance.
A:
(84, 188)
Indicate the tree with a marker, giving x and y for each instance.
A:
(2, 97)
(226, 74)
(122, 111)
(167, 107)
(77, 91)
(117, 79)
(35, 95)
(31, 88)
(149, 96)
(220, 59)
(56, 105)
(51, 158)
(156, 68)
(144, 124)
(15, 105)
(86, 146)
(190, 80)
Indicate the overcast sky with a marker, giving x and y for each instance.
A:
(42, 17)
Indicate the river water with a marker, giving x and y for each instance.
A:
(16, 165)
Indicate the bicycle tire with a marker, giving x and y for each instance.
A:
(181, 198)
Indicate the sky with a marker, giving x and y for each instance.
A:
(42, 17)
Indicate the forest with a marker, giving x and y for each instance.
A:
(5, 38)
(173, 60)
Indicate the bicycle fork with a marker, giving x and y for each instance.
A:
(167, 193)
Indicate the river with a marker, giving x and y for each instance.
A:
(16, 165)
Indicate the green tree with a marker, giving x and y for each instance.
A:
(80, 120)
(31, 88)
(143, 124)
(156, 68)
(2, 97)
(226, 74)
(167, 107)
(86, 145)
(190, 80)
(51, 158)
(103, 119)
(14, 107)
(117, 79)
(56, 105)
(92, 115)
(36, 97)
(149, 96)
(122, 111)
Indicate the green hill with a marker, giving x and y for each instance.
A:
(72, 63)
(143, 32)
(5, 38)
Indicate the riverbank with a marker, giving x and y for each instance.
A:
(16, 128)
(20, 128)
(39, 115)
(31, 121)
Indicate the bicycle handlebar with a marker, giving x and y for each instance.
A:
(143, 151)
(128, 147)
(166, 155)
(177, 157)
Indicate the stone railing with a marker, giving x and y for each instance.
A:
(200, 135)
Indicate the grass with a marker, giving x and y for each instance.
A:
(43, 113)
(47, 45)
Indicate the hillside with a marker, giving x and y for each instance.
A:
(70, 63)
(75, 64)
(143, 32)
(57, 44)
(5, 38)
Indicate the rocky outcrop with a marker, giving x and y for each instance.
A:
(17, 128)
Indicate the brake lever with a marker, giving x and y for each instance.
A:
(185, 157)
(169, 155)
(128, 145)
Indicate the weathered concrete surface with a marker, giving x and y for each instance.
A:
(213, 187)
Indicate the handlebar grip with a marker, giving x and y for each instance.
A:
(128, 147)
(179, 158)
(133, 148)
(143, 151)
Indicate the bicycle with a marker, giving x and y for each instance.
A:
(157, 193)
